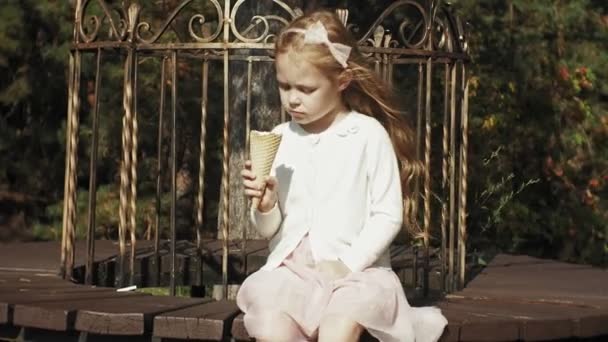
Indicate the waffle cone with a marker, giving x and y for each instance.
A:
(263, 148)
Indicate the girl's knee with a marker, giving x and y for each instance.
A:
(339, 328)
(272, 326)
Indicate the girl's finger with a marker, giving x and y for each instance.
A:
(247, 174)
(253, 193)
(271, 182)
(252, 185)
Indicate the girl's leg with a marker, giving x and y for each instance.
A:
(273, 326)
(337, 328)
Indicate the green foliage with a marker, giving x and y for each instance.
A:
(539, 127)
(180, 291)
(106, 216)
(34, 39)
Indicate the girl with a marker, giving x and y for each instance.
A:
(333, 203)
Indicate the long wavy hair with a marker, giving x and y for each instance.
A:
(366, 93)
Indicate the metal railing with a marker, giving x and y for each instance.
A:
(425, 36)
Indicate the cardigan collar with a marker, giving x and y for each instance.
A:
(345, 127)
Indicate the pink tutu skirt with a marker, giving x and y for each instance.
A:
(288, 303)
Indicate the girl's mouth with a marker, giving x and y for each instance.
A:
(296, 114)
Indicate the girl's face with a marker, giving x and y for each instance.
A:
(312, 99)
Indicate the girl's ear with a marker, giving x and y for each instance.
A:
(344, 79)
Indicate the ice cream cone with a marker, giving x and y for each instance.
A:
(263, 148)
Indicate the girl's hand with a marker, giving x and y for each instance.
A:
(265, 191)
(334, 269)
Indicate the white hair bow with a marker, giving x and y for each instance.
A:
(317, 34)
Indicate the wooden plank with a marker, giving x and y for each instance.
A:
(527, 279)
(540, 320)
(57, 311)
(451, 333)
(256, 254)
(238, 330)
(24, 292)
(253, 247)
(187, 267)
(561, 285)
(514, 297)
(402, 257)
(33, 285)
(180, 262)
(212, 246)
(256, 260)
(9, 278)
(534, 321)
(28, 295)
(46, 260)
(5, 313)
(18, 256)
(527, 273)
(551, 299)
(475, 326)
(569, 286)
(208, 321)
(127, 317)
(538, 296)
(592, 326)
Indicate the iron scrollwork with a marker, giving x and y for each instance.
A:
(146, 27)
(420, 23)
(91, 34)
(197, 19)
(407, 31)
(265, 20)
(201, 20)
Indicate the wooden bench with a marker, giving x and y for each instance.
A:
(513, 298)
(207, 321)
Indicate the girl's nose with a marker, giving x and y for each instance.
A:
(294, 99)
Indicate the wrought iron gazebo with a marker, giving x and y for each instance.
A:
(421, 37)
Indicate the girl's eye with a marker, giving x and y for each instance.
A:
(307, 90)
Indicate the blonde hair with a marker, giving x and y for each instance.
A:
(366, 94)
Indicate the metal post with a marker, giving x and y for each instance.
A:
(173, 164)
(161, 112)
(88, 279)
